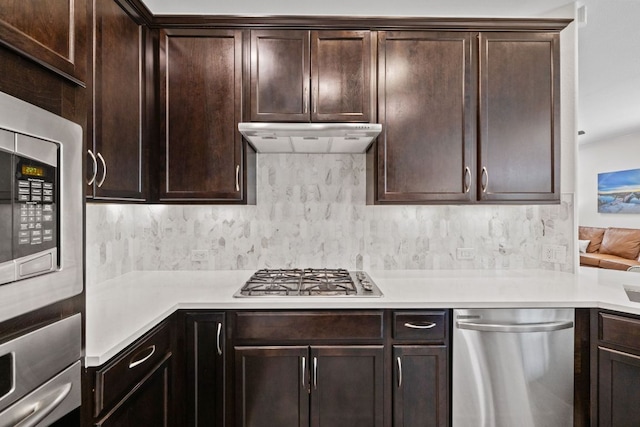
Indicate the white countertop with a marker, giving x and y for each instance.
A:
(121, 310)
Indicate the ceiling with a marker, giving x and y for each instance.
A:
(608, 52)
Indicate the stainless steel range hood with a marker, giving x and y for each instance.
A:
(310, 137)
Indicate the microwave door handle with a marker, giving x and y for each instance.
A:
(44, 407)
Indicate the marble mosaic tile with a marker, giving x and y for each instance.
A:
(311, 212)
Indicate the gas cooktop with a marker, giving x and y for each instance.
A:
(320, 282)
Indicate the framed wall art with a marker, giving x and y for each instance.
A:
(619, 192)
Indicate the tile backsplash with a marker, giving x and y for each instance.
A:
(311, 212)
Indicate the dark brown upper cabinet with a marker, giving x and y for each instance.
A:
(426, 105)
(202, 156)
(457, 129)
(47, 32)
(301, 76)
(519, 138)
(116, 161)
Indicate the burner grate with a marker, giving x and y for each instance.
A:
(307, 282)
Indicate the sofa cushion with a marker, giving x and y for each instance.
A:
(592, 260)
(594, 235)
(618, 263)
(623, 242)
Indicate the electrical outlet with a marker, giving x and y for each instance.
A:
(199, 255)
(556, 254)
(465, 253)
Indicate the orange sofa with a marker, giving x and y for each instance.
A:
(613, 248)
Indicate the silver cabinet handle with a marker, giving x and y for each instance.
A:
(484, 179)
(43, 408)
(425, 326)
(315, 373)
(95, 168)
(104, 170)
(516, 327)
(133, 363)
(237, 177)
(399, 362)
(315, 104)
(306, 100)
(303, 372)
(467, 179)
(218, 338)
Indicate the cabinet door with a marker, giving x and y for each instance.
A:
(426, 105)
(420, 386)
(618, 388)
(116, 157)
(519, 117)
(346, 386)
(272, 386)
(341, 76)
(49, 32)
(147, 404)
(280, 75)
(201, 75)
(205, 353)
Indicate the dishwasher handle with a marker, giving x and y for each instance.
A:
(519, 328)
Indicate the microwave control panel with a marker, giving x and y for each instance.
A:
(35, 222)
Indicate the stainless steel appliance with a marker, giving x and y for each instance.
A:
(310, 137)
(40, 375)
(513, 367)
(41, 210)
(324, 282)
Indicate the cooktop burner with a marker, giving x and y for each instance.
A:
(309, 282)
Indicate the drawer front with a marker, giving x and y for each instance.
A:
(619, 330)
(117, 377)
(309, 326)
(420, 325)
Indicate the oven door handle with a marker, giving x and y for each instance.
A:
(41, 409)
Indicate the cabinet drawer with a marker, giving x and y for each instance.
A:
(618, 330)
(309, 326)
(117, 377)
(420, 325)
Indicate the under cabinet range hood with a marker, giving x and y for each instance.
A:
(310, 137)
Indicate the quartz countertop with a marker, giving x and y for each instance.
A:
(121, 310)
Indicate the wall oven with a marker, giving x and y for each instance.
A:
(41, 262)
(41, 208)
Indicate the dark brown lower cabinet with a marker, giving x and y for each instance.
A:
(318, 386)
(618, 388)
(420, 386)
(204, 367)
(147, 404)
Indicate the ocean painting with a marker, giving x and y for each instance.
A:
(619, 192)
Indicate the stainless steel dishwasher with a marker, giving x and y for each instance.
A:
(513, 367)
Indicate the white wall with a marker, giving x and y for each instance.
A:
(621, 153)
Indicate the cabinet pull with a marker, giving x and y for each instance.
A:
(414, 326)
(306, 100)
(315, 373)
(315, 105)
(104, 170)
(303, 373)
(237, 177)
(95, 168)
(218, 337)
(485, 179)
(399, 362)
(133, 363)
(467, 179)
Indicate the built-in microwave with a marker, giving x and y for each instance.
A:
(29, 213)
(41, 208)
